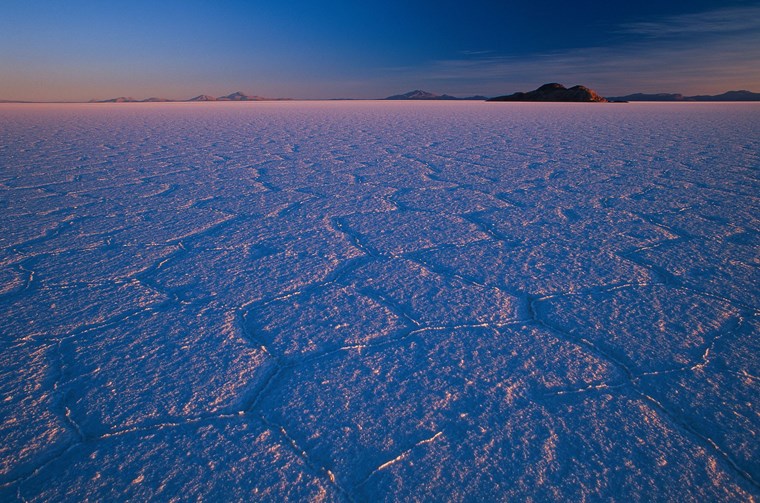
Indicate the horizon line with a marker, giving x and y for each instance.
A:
(255, 98)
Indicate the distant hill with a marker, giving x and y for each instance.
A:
(120, 99)
(238, 96)
(555, 92)
(203, 97)
(425, 95)
(420, 95)
(648, 97)
(127, 99)
(728, 96)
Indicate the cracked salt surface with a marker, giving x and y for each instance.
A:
(358, 301)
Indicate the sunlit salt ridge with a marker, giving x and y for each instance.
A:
(360, 301)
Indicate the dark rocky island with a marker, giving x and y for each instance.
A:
(555, 92)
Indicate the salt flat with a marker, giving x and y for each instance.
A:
(383, 301)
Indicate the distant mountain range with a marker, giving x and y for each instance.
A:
(424, 95)
(729, 96)
(237, 96)
(125, 99)
(547, 92)
(555, 92)
(558, 92)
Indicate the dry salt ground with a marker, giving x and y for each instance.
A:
(373, 301)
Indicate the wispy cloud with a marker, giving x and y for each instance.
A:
(474, 53)
(716, 22)
(697, 53)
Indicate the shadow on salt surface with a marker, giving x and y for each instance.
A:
(714, 267)
(701, 396)
(646, 328)
(47, 313)
(432, 299)
(345, 200)
(159, 367)
(222, 460)
(30, 424)
(570, 225)
(456, 201)
(398, 232)
(12, 281)
(323, 319)
(253, 205)
(563, 450)
(689, 361)
(107, 263)
(542, 269)
(29, 229)
(255, 271)
(475, 413)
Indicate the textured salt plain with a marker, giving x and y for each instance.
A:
(380, 301)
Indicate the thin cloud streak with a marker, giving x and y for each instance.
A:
(697, 53)
(723, 21)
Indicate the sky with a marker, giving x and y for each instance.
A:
(83, 49)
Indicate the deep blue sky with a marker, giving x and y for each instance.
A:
(78, 49)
